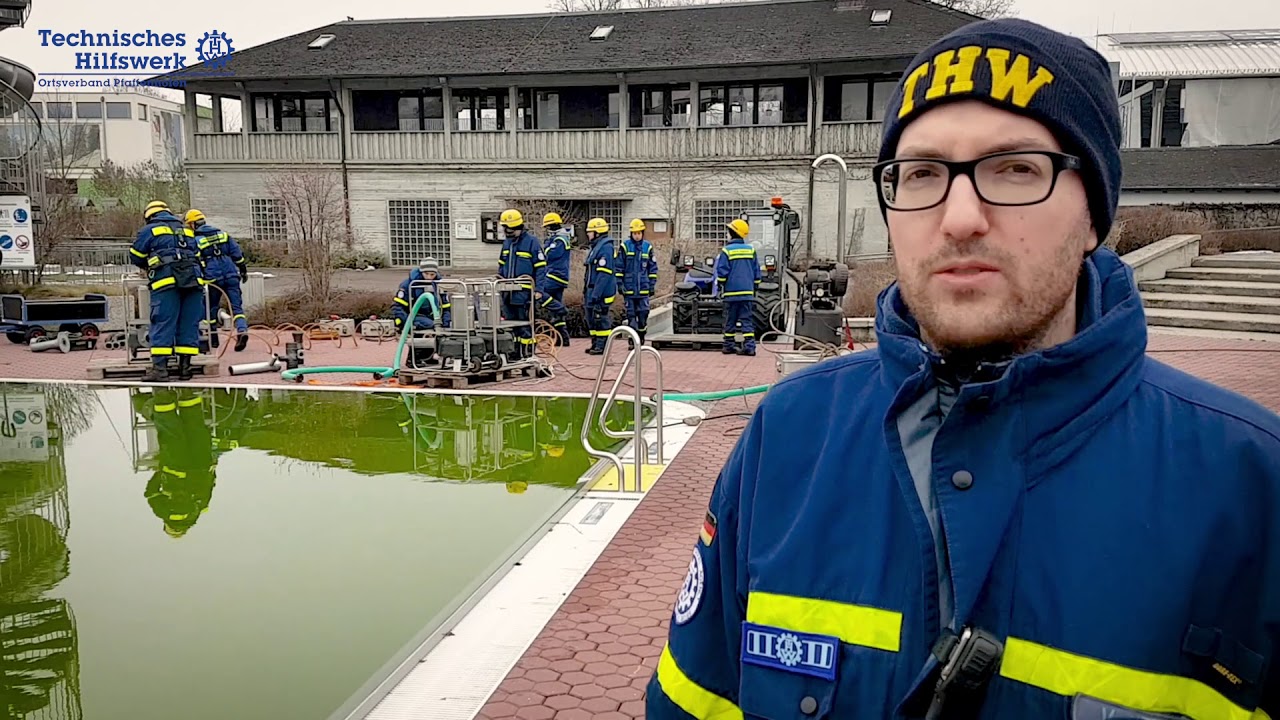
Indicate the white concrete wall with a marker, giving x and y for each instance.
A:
(224, 193)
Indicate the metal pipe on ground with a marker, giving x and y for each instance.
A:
(271, 365)
(61, 342)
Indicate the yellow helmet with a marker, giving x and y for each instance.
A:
(517, 487)
(597, 225)
(511, 218)
(637, 225)
(555, 451)
(193, 215)
(552, 219)
(154, 207)
(739, 227)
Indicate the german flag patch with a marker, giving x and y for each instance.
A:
(708, 533)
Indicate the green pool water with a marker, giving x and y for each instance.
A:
(241, 553)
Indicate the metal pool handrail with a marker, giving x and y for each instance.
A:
(637, 434)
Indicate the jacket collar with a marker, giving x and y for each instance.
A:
(1053, 386)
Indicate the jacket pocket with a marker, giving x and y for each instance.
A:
(787, 674)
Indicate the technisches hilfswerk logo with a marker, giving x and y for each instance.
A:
(120, 59)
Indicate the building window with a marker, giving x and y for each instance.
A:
(295, 112)
(142, 112)
(88, 111)
(269, 222)
(479, 110)
(419, 229)
(710, 216)
(611, 211)
(59, 110)
(771, 102)
(38, 109)
(856, 99)
(119, 111)
(659, 106)
(403, 110)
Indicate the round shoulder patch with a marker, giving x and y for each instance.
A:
(603, 262)
(690, 598)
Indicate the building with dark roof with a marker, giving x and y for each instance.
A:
(680, 116)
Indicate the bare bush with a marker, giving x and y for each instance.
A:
(866, 280)
(1138, 227)
(316, 226)
(300, 310)
(1225, 241)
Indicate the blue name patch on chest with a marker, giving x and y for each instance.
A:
(790, 651)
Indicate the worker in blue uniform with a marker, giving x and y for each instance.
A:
(422, 279)
(224, 268)
(167, 250)
(737, 276)
(557, 248)
(521, 255)
(637, 277)
(1006, 509)
(600, 284)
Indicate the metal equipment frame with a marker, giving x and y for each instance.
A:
(476, 311)
(137, 317)
(640, 446)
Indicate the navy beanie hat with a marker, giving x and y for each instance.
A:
(1033, 71)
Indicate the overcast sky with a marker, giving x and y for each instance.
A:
(254, 22)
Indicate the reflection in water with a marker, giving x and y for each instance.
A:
(39, 663)
(182, 480)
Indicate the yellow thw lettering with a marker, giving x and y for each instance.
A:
(953, 77)
(1015, 80)
(909, 89)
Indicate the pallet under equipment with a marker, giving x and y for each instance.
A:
(478, 346)
(108, 368)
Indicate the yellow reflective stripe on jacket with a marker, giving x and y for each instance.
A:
(606, 271)
(1067, 674)
(137, 252)
(163, 283)
(523, 254)
(690, 696)
(152, 261)
(739, 292)
(557, 278)
(855, 624)
(739, 253)
(402, 301)
(162, 230)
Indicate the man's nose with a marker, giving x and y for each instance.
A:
(964, 214)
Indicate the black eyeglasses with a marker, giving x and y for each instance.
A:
(1020, 177)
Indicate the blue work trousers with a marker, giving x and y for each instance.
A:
(638, 313)
(553, 305)
(522, 332)
(600, 323)
(738, 319)
(175, 323)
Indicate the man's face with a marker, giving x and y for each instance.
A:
(978, 275)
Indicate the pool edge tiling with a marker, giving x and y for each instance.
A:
(488, 635)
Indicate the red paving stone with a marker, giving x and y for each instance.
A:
(594, 658)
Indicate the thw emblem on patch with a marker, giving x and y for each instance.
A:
(690, 597)
(708, 533)
(790, 651)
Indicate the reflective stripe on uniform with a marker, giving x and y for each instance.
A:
(737, 292)
(161, 351)
(557, 278)
(605, 270)
(739, 253)
(137, 252)
(190, 403)
(187, 350)
(166, 407)
(163, 283)
(402, 301)
(855, 624)
(1068, 674)
(162, 230)
(690, 696)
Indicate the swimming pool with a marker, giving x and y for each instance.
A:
(254, 553)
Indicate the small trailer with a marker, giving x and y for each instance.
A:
(23, 320)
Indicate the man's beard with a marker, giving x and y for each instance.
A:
(1016, 327)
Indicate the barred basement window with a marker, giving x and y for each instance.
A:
(710, 216)
(269, 222)
(611, 211)
(419, 229)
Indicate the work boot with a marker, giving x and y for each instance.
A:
(242, 341)
(156, 374)
(184, 367)
(749, 350)
(729, 350)
(642, 337)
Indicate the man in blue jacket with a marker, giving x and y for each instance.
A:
(600, 284)
(224, 268)
(737, 275)
(1005, 510)
(167, 250)
(637, 277)
(521, 255)
(556, 247)
(423, 278)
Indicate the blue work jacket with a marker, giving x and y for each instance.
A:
(601, 282)
(1110, 520)
(558, 253)
(162, 245)
(220, 254)
(412, 288)
(637, 269)
(522, 255)
(737, 271)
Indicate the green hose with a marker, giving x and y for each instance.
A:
(717, 394)
(379, 372)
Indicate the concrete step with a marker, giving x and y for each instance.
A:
(1215, 303)
(1273, 338)
(1226, 273)
(1212, 287)
(1240, 322)
(1263, 261)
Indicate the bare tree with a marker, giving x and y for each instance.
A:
(312, 204)
(981, 8)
